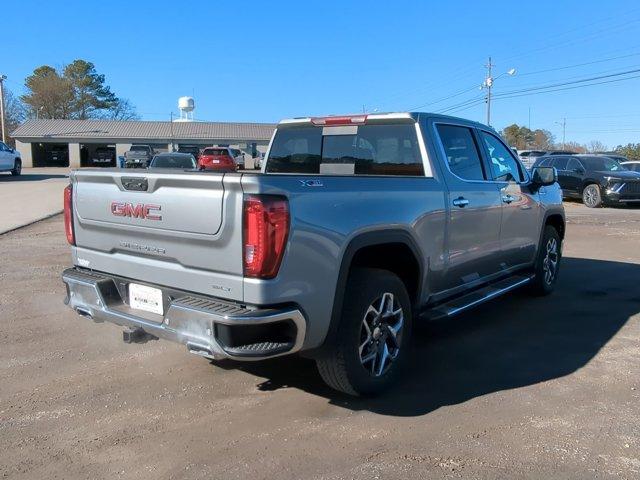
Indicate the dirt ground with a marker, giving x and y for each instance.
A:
(520, 388)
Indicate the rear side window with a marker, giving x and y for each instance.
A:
(574, 165)
(560, 163)
(461, 151)
(505, 168)
(365, 150)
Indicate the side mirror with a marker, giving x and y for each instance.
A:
(544, 176)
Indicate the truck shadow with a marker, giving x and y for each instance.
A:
(511, 342)
(30, 177)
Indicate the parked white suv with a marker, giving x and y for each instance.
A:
(10, 160)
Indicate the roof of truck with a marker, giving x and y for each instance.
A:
(382, 117)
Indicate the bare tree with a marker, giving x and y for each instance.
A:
(573, 146)
(122, 110)
(15, 113)
(595, 146)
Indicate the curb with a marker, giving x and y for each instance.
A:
(50, 215)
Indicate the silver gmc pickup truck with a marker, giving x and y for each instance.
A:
(356, 227)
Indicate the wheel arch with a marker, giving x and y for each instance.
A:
(363, 251)
(557, 221)
(589, 181)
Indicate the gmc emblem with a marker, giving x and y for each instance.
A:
(141, 210)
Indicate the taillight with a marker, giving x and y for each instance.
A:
(68, 215)
(343, 120)
(266, 227)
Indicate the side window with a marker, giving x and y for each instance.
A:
(560, 163)
(573, 165)
(3, 147)
(461, 151)
(505, 168)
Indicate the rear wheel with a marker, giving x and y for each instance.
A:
(373, 336)
(591, 196)
(547, 263)
(17, 168)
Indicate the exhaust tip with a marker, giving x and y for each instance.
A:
(200, 351)
(84, 312)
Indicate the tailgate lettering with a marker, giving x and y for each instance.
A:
(140, 210)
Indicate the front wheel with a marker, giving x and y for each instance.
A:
(547, 263)
(373, 336)
(17, 168)
(591, 196)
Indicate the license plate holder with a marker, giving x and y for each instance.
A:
(148, 299)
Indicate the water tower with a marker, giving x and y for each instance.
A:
(186, 105)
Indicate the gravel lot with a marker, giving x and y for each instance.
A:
(520, 388)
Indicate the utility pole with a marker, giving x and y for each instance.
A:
(564, 131)
(2, 79)
(488, 84)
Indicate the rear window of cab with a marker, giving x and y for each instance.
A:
(365, 150)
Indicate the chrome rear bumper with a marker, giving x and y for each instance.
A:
(197, 322)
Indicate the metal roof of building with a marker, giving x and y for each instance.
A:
(131, 130)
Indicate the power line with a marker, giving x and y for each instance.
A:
(568, 88)
(578, 65)
(445, 98)
(462, 72)
(543, 87)
(477, 98)
(573, 40)
(475, 101)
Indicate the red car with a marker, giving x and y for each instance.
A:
(218, 158)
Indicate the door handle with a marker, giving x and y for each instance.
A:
(508, 198)
(461, 202)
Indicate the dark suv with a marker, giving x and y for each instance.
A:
(596, 179)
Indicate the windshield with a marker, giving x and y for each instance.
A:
(366, 150)
(173, 161)
(602, 163)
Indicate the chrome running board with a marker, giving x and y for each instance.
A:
(484, 294)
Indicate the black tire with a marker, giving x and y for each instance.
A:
(545, 271)
(17, 168)
(592, 196)
(341, 366)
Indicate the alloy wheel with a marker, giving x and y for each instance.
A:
(550, 262)
(591, 196)
(381, 334)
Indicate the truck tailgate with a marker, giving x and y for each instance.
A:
(180, 229)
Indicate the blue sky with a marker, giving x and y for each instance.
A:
(263, 61)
